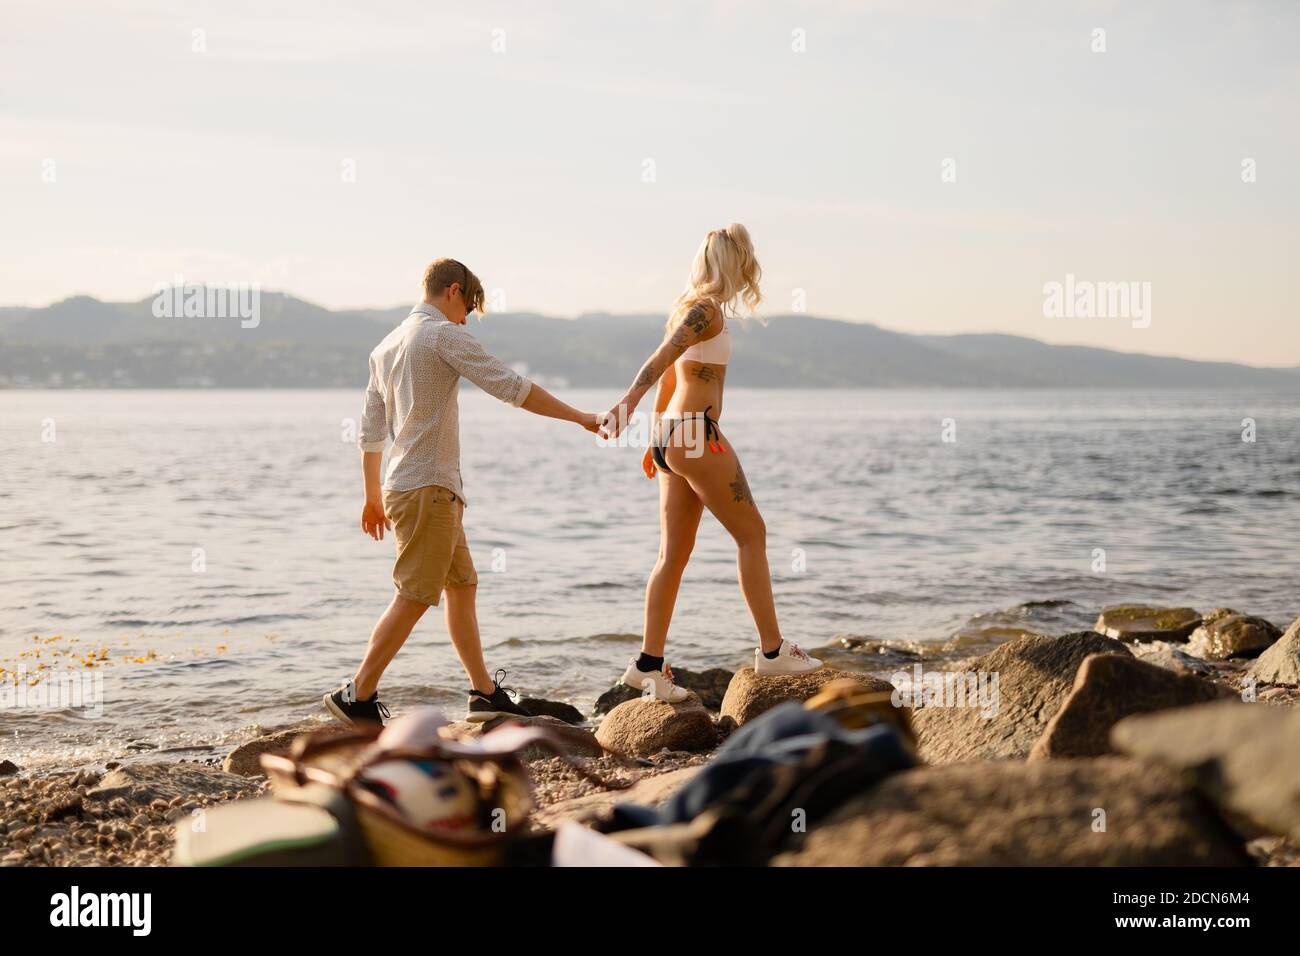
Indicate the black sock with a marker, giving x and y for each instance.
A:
(645, 663)
(772, 655)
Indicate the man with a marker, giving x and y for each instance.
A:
(415, 375)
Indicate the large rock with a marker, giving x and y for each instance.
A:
(540, 707)
(1232, 635)
(1171, 657)
(708, 685)
(1245, 757)
(574, 741)
(750, 694)
(8, 768)
(1034, 676)
(1004, 813)
(142, 783)
(613, 697)
(1280, 664)
(245, 760)
(1134, 622)
(1108, 688)
(851, 653)
(646, 726)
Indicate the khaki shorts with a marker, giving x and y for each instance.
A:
(432, 553)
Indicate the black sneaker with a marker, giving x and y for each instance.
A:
(344, 706)
(485, 707)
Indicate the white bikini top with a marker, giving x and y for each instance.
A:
(715, 351)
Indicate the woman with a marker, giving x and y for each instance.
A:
(696, 465)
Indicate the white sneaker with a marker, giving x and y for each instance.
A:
(658, 683)
(792, 659)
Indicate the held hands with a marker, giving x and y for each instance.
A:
(615, 420)
(590, 421)
(373, 519)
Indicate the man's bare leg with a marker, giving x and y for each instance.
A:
(462, 626)
(390, 633)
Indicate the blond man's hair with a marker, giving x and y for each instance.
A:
(443, 272)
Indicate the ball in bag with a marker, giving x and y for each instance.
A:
(429, 794)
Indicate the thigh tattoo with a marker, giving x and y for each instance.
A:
(740, 487)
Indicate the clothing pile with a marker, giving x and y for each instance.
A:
(777, 775)
(417, 795)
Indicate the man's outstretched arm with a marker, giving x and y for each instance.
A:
(464, 353)
(541, 402)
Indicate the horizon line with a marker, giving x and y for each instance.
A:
(758, 317)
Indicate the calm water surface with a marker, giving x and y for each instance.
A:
(201, 548)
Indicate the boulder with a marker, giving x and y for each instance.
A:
(613, 697)
(1244, 757)
(1108, 688)
(1232, 635)
(1033, 675)
(851, 653)
(646, 726)
(8, 768)
(710, 685)
(750, 694)
(142, 783)
(1106, 811)
(576, 741)
(540, 707)
(1133, 622)
(1217, 614)
(1171, 657)
(245, 760)
(1280, 664)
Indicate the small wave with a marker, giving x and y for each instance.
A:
(610, 638)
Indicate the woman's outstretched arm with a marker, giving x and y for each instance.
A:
(702, 321)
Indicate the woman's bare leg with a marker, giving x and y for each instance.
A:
(719, 482)
(679, 519)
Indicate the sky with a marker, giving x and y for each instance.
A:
(927, 166)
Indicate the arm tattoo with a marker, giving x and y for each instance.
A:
(697, 318)
(740, 487)
(647, 375)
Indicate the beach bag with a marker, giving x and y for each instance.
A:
(317, 826)
(328, 807)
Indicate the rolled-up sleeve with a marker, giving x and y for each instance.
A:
(373, 433)
(463, 352)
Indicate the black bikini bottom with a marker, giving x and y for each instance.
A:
(712, 435)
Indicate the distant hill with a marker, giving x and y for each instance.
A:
(83, 342)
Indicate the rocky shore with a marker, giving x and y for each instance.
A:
(1179, 731)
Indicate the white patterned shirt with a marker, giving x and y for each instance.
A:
(411, 400)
